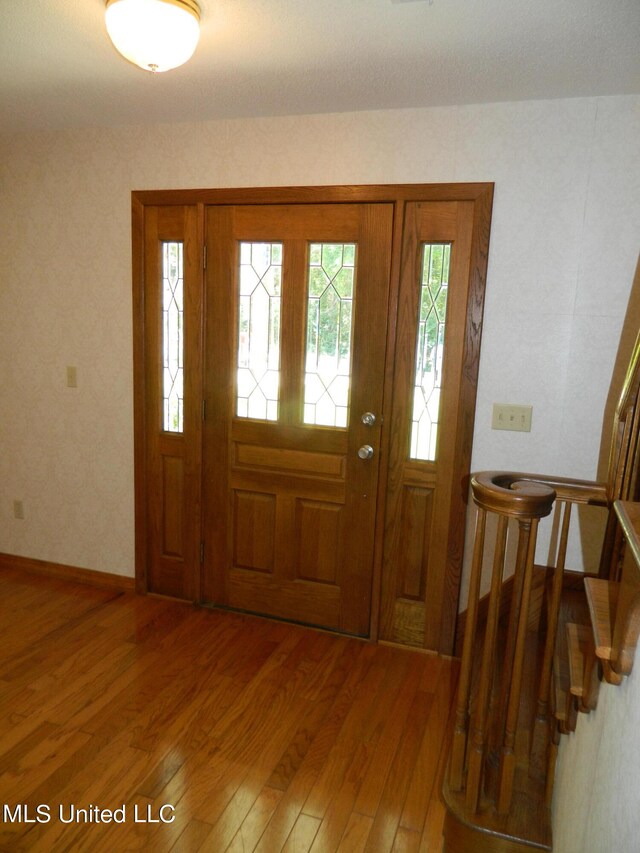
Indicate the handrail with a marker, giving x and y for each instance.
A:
(511, 488)
(629, 517)
(515, 495)
(631, 386)
(626, 625)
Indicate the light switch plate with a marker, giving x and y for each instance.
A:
(510, 416)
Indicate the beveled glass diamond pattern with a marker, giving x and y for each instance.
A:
(172, 336)
(436, 261)
(331, 279)
(259, 294)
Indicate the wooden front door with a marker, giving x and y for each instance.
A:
(278, 332)
(295, 331)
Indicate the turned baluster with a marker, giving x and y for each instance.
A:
(459, 744)
(525, 501)
(507, 755)
(510, 643)
(479, 724)
(541, 725)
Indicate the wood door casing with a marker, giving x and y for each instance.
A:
(414, 606)
(289, 508)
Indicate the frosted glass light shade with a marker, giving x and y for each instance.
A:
(157, 35)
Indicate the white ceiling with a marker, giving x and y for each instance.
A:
(283, 57)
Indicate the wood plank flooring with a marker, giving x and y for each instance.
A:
(253, 735)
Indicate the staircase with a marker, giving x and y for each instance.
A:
(527, 670)
(524, 680)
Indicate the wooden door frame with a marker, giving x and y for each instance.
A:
(481, 196)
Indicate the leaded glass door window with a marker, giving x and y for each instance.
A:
(173, 336)
(260, 281)
(330, 282)
(330, 293)
(434, 284)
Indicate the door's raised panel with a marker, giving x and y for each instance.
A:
(298, 461)
(413, 555)
(439, 221)
(314, 439)
(332, 491)
(173, 506)
(409, 622)
(324, 222)
(295, 600)
(318, 537)
(254, 520)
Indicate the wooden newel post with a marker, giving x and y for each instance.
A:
(487, 718)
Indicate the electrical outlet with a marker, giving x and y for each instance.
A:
(509, 416)
(18, 509)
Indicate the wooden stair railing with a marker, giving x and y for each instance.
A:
(496, 791)
(607, 638)
(530, 503)
(512, 707)
(614, 604)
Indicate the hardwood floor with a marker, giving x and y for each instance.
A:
(253, 735)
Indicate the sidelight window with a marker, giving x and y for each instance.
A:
(436, 261)
(173, 336)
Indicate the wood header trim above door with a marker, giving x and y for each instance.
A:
(318, 194)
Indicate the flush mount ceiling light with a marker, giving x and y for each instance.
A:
(157, 35)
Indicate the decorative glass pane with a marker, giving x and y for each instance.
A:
(436, 259)
(172, 336)
(329, 329)
(259, 330)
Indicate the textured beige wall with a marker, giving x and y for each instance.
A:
(564, 247)
(597, 795)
